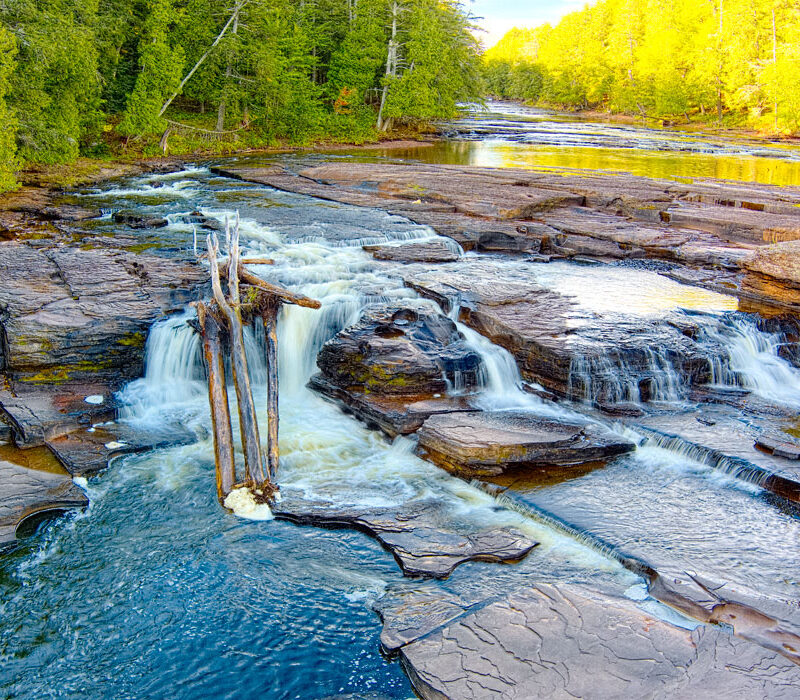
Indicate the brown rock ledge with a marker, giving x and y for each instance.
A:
(27, 492)
(489, 443)
(414, 533)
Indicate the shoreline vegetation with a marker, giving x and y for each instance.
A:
(110, 79)
(726, 63)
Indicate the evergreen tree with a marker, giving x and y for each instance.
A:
(160, 67)
(55, 87)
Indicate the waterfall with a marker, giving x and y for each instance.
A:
(612, 379)
(174, 373)
(749, 358)
(173, 390)
(303, 332)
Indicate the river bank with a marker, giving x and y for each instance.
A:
(557, 310)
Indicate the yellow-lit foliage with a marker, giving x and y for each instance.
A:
(732, 59)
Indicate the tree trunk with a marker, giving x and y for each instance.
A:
(271, 332)
(391, 70)
(248, 423)
(234, 16)
(224, 455)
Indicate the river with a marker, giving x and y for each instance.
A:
(156, 592)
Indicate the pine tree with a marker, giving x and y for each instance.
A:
(160, 72)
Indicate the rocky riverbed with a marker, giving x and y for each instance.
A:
(527, 364)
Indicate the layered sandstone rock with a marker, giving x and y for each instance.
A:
(489, 443)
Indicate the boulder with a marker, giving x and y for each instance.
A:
(399, 352)
(139, 220)
(489, 443)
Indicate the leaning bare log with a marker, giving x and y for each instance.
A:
(255, 472)
(270, 318)
(211, 328)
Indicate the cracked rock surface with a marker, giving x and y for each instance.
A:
(569, 641)
(27, 492)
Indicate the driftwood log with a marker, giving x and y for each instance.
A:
(222, 322)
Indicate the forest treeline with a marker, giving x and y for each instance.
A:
(91, 76)
(730, 60)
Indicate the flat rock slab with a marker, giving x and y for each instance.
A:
(427, 251)
(38, 414)
(568, 641)
(88, 450)
(394, 415)
(487, 443)
(414, 534)
(706, 223)
(25, 492)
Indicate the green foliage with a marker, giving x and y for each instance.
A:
(8, 149)
(160, 73)
(91, 71)
(54, 89)
(660, 58)
(438, 60)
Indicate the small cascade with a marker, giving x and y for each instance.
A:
(690, 452)
(302, 332)
(174, 373)
(541, 516)
(609, 380)
(749, 359)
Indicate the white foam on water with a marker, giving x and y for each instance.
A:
(242, 501)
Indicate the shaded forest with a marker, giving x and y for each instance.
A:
(731, 61)
(103, 77)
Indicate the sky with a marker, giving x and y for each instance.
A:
(501, 15)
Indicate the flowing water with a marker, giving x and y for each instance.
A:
(507, 135)
(156, 592)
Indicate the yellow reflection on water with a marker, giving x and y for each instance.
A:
(608, 289)
(659, 164)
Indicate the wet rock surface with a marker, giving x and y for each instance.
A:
(405, 351)
(70, 314)
(394, 415)
(609, 358)
(75, 310)
(429, 251)
(416, 533)
(26, 492)
(566, 641)
(706, 224)
(488, 443)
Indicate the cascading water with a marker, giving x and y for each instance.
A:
(174, 378)
(749, 358)
(613, 380)
(158, 553)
